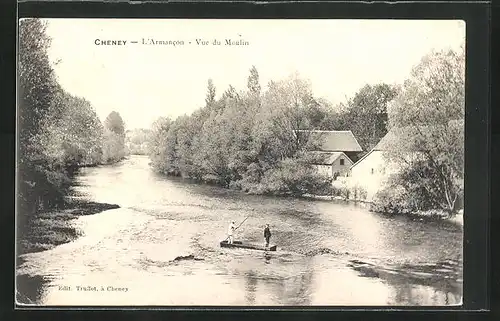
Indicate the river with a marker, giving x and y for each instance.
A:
(329, 252)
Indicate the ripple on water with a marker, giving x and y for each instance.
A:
(328, 253)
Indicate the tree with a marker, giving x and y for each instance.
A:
(230, 93)
(210, 97)
(57, 131)
(114, 138)
(366, 114)
(38, 183)
(158, 145)
(253, 81)
(213, 157)
(37, 82)
(434, 93)
(137, 141)
(114, 123)
(187, 147)
(72, 132)
(287, 104)
(427, 119)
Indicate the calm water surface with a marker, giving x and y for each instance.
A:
(329, 253)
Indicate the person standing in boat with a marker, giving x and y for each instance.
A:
(230, 232)
(267, 234)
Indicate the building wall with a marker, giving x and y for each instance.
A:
(329, 170)
(343, 170)
(324, 170)
(371, 173)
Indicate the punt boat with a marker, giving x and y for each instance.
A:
(239, 244)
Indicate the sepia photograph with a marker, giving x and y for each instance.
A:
(241, 163)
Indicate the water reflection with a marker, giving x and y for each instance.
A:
(322, 258)
(30, 289)
(432, 284)
(279, 285)
(250, 287)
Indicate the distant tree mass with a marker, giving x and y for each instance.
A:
(366, 114)
(137, 141)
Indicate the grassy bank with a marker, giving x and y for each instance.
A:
(47, 229)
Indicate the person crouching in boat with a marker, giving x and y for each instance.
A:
(230, 232)
(267, 234)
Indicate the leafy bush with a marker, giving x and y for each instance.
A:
(290, 177)
(295, 178)
(418, 188)
(345, 192)
(396, 201)
(391, 200)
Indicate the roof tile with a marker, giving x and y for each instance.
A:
(336, 140)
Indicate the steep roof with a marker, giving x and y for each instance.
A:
(386, 141)
(336, 140)
(327, 158)
(407, 133)
(383, 143)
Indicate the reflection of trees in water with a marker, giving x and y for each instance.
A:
(301, 294)
(415, 294)
(250, 287)
(294, 288)
(431, 241)
(417, 285)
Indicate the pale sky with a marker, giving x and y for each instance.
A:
(144, 82)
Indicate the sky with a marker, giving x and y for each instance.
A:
(144, 82)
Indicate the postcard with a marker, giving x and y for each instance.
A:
(198, 162)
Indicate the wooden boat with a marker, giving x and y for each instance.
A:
(239, 244)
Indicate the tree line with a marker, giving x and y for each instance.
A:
(137, 141)
(256, 140)
(248, 139)
(57, 132)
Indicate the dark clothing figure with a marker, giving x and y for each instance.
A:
(267, 235)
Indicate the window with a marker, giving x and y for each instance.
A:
(342, 161)
(372, 170)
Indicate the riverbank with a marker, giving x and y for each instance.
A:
(47, 229)
(426, 216)
(435, 215)
(44, 231)
(167, 234)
